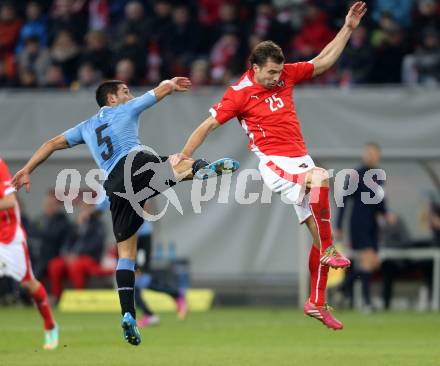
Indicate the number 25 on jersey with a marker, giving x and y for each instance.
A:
(275, 103)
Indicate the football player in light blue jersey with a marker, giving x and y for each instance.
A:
(112, 137)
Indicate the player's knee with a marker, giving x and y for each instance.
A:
(319, 177)
(30, 285)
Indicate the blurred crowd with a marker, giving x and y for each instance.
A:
(68, 249)
(77, 43)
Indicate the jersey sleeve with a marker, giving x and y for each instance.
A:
(139, 104)
(227, 108)
(74, 135)
(299, 71)
(5, 180)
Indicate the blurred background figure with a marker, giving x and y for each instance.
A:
(357, 60)
(54, 77)
(363, 227)
(199, 73)
(145, 280)
(35, 26)
(398, 42)
(65, 54)
(135, 22)
(423, 66)
(126, 71)
(81, 254)
(88, 77)
(10, 26)
(35, 58)
(54, 230)
(97, 53)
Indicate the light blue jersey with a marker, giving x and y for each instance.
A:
(112, 132)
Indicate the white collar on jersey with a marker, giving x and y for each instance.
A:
(244, 83)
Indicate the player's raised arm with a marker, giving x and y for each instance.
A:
(22, 177)
(147, 100)
(167, 87)
(328, 56)
(199, 135)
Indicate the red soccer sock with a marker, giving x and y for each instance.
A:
(40, 298)
(320, 206)
(318, 277)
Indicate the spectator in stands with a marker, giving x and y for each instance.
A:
(208, 11)
(228, 22)
(27, 79)
(161, 20)
(222, 57)
(395, 235)
(266, 26)
(53, 230)
(135, 22)
(35, 26)
(199, 73)
(66, 18)
(315, 34)
(427, 15)
(181, 42)
(125, 71)
(131, 49)
(400, 11)
(423, 67)
(99, 14)
(394, 232)
(54, 77)
(5, 79)
(65, 53)
(168, 39)
(10, 26)
(388, 57)
(97, 53)
(364, 229)
(356, 61)
(88, 77)
(34, 58)
(81, 255)
(116, 9)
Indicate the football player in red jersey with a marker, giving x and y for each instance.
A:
(262, 102)
(14, 256)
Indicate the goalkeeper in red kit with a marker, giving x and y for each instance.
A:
(262, 102)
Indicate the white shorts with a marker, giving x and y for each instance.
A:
(285, 176)
(14, 258)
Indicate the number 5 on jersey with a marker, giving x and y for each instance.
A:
(275, 103)
(104, 140)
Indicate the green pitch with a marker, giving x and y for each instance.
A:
(239, 336)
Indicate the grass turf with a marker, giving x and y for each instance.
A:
(238, 336)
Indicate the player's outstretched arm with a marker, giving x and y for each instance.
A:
(329, 55)
(167, 87)
(22, 177)
(199, 135)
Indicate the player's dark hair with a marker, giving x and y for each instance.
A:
(264, 51)
(106, 88)
(374, 145)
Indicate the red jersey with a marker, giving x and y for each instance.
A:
(10, 218)
(267, 116)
